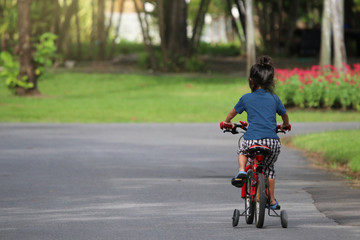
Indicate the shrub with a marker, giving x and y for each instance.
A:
(10, 72)
(320, 87)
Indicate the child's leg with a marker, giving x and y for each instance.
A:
(272, 190)
(270, 160)
(242, 159)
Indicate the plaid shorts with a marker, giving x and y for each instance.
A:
(270, 159)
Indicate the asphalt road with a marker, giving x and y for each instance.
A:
(155, 181)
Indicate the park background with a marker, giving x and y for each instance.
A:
(110, 61)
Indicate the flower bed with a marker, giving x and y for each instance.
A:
(319, 87)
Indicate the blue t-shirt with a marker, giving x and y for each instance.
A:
(261, 107)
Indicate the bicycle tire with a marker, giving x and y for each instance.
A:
(249, 205)
(260, 201)
(284, 219)
(235, 218)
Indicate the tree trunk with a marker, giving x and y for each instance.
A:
(172, 25)
(78, 40)
(198, 26)
(110, 21)
(337, 15)
(293, 16)
(264, 21)
(242, 14)
(55, 24)
(93, 29)
(26, 62)
(177, 41)
(117, 30)
(250, 37)
(65, 26)
(325, 52)
(147, 39)
(101, 29)
(233, 21)
(161, 20)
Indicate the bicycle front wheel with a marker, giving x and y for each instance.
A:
(260, 201)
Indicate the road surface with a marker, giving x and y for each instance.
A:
(155, 181)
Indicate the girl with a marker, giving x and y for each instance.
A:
(261, 106)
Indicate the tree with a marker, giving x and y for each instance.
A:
(117, 30)
(337, 16)
(172, 26)
(8, 24)
(107, 30)
(144, 25)
(325, 52)
(101, 29)
(77, 22)
(161, 20)
(293, 16)
(27, 66)
(64, 26)
(198, 26)
(250, 37)
(175, 29)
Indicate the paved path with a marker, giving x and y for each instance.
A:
(153, 181)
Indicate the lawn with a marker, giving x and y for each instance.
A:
(338, 148)
(85, 98)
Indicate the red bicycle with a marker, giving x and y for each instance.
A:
(255, 189)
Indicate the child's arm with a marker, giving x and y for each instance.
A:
(285, 123)
(231, 115)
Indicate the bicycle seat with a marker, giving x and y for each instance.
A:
(259, 148)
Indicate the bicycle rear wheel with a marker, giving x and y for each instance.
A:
(260, 201)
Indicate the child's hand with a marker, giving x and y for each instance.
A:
(229, 125)
(285, 127)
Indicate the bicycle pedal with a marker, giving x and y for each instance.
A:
(236, 182)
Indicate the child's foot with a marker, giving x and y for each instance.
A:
(274, 205)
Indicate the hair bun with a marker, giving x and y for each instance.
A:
(264, 60)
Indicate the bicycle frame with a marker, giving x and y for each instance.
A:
(256, 165)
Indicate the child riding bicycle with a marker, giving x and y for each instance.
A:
(261, 106)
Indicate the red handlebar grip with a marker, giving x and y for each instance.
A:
(225, 125)
(244, 124)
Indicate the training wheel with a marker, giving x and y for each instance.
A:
(235, 218)
(284, 219)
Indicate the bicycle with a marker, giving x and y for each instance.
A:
(255, 189)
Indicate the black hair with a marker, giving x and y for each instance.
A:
(262, 74)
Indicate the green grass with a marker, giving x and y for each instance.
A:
(337, 147)
(82, 97)
(78, 97)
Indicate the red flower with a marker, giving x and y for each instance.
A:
(315, 68)
(329, 78)
(356, 66)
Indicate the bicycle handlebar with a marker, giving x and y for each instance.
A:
(226, 127)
